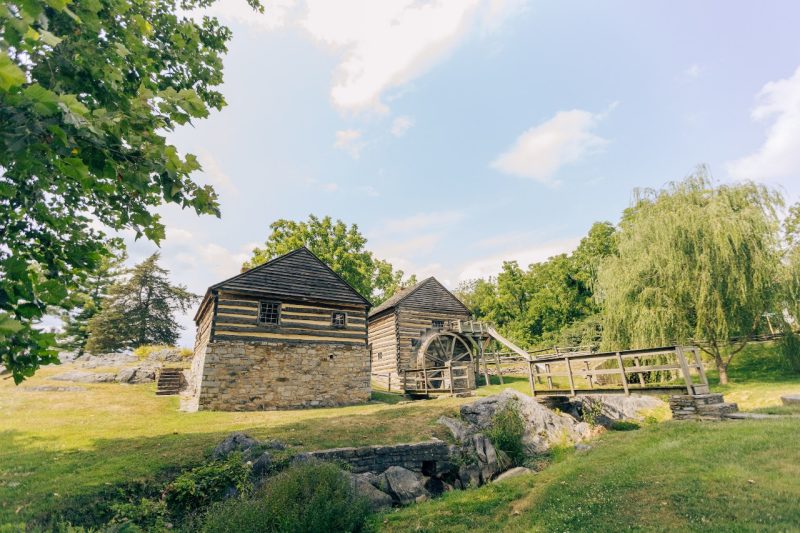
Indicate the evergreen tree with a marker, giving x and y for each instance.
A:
(88, 302)
(140, 310)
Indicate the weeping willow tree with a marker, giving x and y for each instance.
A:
(695, 263)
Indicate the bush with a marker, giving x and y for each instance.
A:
(591, 410)
(145, 351)
(507, 431)
(790, 348)
(304, 498)
(149, 514)
(208, 483)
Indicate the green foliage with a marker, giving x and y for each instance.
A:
(305, 498)
(696, 263)
(624, 425)
(89, 91)
(206, 484)
(790, 349)
(140, 310)
(591, 410)
(149, 514)
(341, 247)
(547, 303)
(89, 298)
(507, 431)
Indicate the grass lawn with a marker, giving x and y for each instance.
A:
(72, 451)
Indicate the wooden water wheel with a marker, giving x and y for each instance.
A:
(441, 349)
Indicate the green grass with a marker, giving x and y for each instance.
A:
(727, 476)
(70, 452)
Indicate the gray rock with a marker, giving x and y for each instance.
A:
(234, 442)
(377, 499)
(262, 465)
(54, 388)
(126, 375)
(79, 376)
(791, 399)
(543, 427)
(469, 475)
(620, 407)
(582, 447)
(106, 360)
(513, 472)
(136, 374)
(403, 485)
(487, 456)
(460, 431)
(170, 355)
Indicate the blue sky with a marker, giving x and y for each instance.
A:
(459, 134)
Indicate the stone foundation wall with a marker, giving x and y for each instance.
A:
(248, 376)
(417, 457)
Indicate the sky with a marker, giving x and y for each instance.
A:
(459, 134)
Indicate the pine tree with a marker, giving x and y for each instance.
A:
(88, 301)
(140, 310)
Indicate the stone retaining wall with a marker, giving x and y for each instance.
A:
(250, 376)
(418, 457)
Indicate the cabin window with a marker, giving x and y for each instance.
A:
(438, 324)
(269, 313)
(338, 319)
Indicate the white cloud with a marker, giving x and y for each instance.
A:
(370, 191)
(401, 125)
(492, 265)
(694, 71)
(779, 156)
(542, 150)
(325, 186)
(350, 141)
(435, 220)
(381, 45)
(214, 173)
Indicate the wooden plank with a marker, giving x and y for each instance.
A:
(296, 335)
(699, 365)
(569, 374)
(624, 376)
(684, 368)
(243, 337)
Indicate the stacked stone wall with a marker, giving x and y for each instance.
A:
(378, 458)
(248, 376)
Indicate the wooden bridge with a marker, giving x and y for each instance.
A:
(450, 357)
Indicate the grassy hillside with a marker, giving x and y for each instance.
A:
(70, 451)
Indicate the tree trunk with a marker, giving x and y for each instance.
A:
(722, 367)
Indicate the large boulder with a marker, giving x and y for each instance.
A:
(791, 399)
(460, 431)
(79, 376)
(543, 427)
(363, 487)
(619, 407)
(106, 360)
(513, 472)
(136, 374)
(403, 485)
(233, 443)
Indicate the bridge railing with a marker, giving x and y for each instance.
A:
(655, 370)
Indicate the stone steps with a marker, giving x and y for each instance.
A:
(710, 406)
(169, 382)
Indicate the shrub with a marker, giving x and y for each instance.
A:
(145, 351)
(790, 348)
(507, 431)
(591, 410)
(146, 513)
(624, 425)
(303, 498)
(208, 483)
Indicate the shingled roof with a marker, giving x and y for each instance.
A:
(299, 274)
(428, 294)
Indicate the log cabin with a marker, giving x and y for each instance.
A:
(396, 326)
(290, 333)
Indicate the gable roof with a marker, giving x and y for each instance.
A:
(299, 274)
(428, 294)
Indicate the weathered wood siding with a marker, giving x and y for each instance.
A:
(383, 343)
(236, 319)
(412, 323)
(205, 322)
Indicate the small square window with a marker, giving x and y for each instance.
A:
(338, 319)
(438, 324)
(269, 313)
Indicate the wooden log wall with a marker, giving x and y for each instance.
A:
(411, 324)
(237, 320)
(383, 341)
(204, 325)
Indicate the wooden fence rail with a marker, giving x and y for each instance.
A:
(654, 370)
(444, 379)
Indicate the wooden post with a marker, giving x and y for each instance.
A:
(588, 375)
(485, 368)
(390, 381)
(684, 368)
(549, 376)
(641, 377)
(425, 380)
(499, 370)
(569, 374)
(405, 380)
(530, 376)
(624, 377)
(699, 362)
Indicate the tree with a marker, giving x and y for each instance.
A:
(341, 247)
(88, 302)
(695, 263)
(88, 90)
(140, 310)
